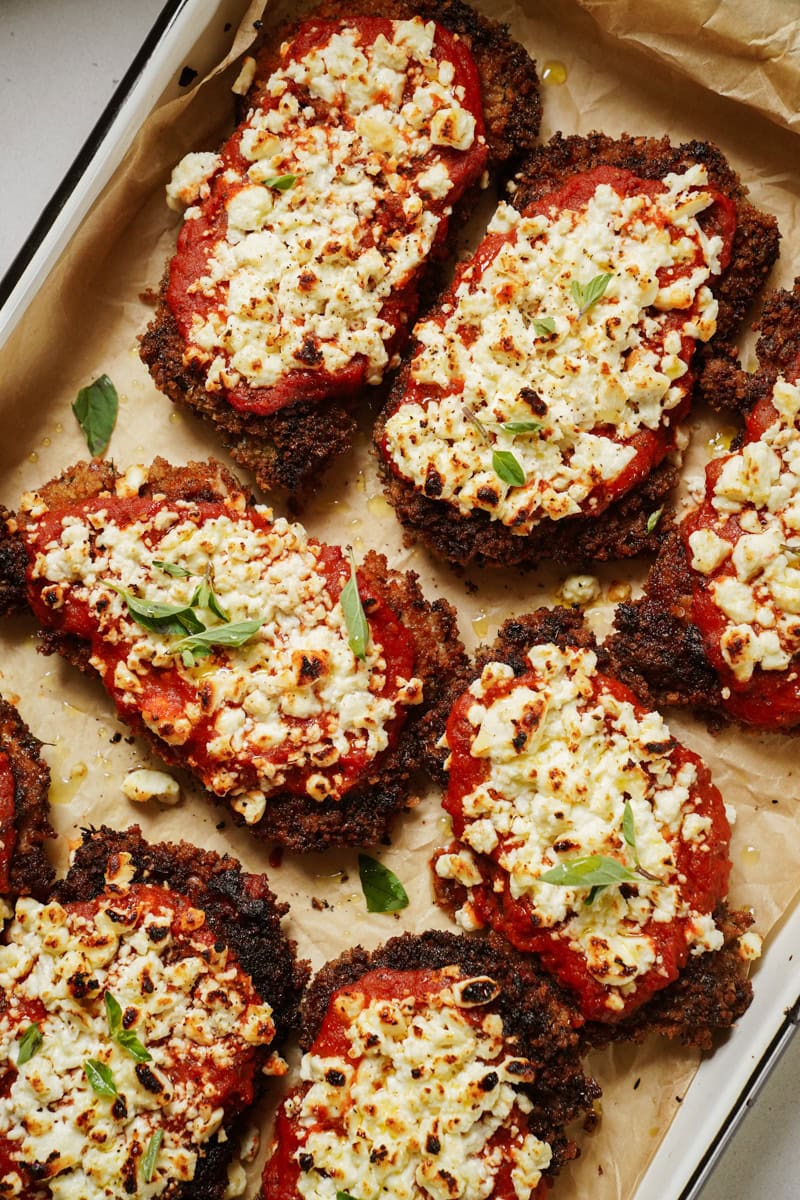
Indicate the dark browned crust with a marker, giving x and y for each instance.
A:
(363, 816)
(621, 531)
(712, 991)
(533, 1008)
(656, 649)
(243, 913)
(290, 449)
(30, 873)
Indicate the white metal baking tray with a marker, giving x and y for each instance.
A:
(730, 1078)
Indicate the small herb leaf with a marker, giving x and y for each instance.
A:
(205, 597)
(595, 870)
(114, 1014)
(543, 325)
(172, 569)
(29, 1044)
(235, 633)
(522, 426)
(354, 616)
(344, 1196)
(281, 183)
(158, 617)
(130, 1042)
(382, 890)
(151, 1154)
(585, 295)
(653, 519)
(100, 1077)
(507, 468)
(594, 893)
(96, 408)
(628, 828)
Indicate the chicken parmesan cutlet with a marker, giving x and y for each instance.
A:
(306, 239)
(586, 835)
(718, 627)
(24, 809)
(287, 681)
(538, 413)
(437, 1065)
(140, 1010)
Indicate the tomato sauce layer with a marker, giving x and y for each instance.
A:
(293, 707)
(296, 274)
(565, 342)
(743, 544)
(408, 1088)
(8, 829)
(560, 769)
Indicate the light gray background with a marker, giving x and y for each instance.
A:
(60, 61)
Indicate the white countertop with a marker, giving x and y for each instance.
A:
(60, 61)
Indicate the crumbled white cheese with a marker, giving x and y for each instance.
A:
(562, 761)
(190, 179)
(410, 1106)
(580, 589)
(601, 377)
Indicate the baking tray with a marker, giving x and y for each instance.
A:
(190, 31)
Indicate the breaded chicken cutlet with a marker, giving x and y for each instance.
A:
(541, 400)
(24, 809)
(718, 628)
(144, 1003)
(422, 1057)
(309, 237)
(289, 683)
(587, 836)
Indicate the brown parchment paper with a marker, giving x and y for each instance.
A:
(86, 320)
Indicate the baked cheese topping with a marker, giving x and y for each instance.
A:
(410, 1108)
(358, 131)
(597, 379)
(184, 1001)
(293, 698)
(563, 758)
(750, 551)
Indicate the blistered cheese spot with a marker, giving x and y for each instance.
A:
(190, 179)
(410, 1107)
(185, 1003)
(563, 760)
(300, 279)
(755, 568)
(600, 378)
(293, 698)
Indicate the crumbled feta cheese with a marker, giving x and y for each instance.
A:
(144, 785)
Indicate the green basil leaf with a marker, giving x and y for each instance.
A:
(522, 426)
(382, 890)
(29, 1044)
(114, 1014)
(592, 871)
(151, 1154)
(653, 519)
(158, 617)
(585, 295)
(235, 633)
(172, 569)
(543, 325)
(130, 1042)
(205, 597)
(354, 616)
(628, 827)
(594, 893)
(281, 183)
(344, 1196)
(507, 468)
(100, 1077)
(96, 409)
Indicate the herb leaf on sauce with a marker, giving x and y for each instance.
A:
(95, 409)
(382, 890)
(158, 617)
(354, 616)
(234, 633)
(594, 870)
(29, 1044)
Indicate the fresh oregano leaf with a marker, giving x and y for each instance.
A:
(96, 409)
(234, 633)
(595, 870)
(173, 569)
(653, 519)
(281, 183)
(382, 890)
(125, 1038)
(542, 326)
(354, 616)
(151, 1154)
(507, 468)
(29, 1044)
(585, 295)
(516, 427)
(160, 618)
(113, 1014)
(100, 1077)
(628, 828)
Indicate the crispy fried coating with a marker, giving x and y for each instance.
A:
(30, 873)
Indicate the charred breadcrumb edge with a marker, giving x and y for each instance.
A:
(30, 873)
(621, 531)
(657, 650)
(534, 1010)
(712, 991)
(363, 816)
(289, 450)
(241, 910)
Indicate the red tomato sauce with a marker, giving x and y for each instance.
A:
(198, 237)
(651, 445)
(282, 1171)
(706, 871)
(166, 692)
(769, 699)
(8, 828)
